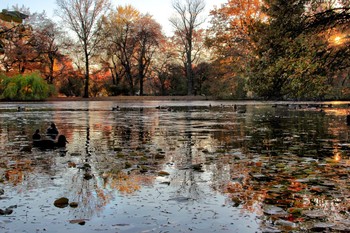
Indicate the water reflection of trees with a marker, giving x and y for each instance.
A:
(292, 160)
(105, 138)
(260, 157)
(186, 177)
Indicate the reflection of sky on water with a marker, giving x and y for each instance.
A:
(187, 132)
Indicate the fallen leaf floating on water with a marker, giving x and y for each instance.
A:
(181, 199)
(73, 204)
(163, 173)
(78, 221)
(121, 225)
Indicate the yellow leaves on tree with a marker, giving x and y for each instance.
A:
(240, 13)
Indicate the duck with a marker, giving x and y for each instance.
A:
(26, 148)
(44, 144)
(21, 109)
(50, 144)
(61, 141)
(36, 135)
(52, 131)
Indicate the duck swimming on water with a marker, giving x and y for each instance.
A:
(61, 142)
(48, 143)
(52, 131)
(36, 135)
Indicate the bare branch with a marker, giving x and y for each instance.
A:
(83, 18)
(185, 23)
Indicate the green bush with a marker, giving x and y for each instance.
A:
(24, 87)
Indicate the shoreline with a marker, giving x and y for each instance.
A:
(175, 98)
(117, 98)
(131, 98)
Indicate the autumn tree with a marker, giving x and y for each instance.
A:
(9, 20)
(292, 55)
(148, 35)
(19, 55)
(276, 35)
(202, 73)
(329, 21)
(131, 40)
(47, 41)
(14, 34)
(165, 57)
(186, 22)
(228, 39)
(229, 33)
(167, 77)
(71, 82)
(120, 43)
(83, 17)
(284, 49)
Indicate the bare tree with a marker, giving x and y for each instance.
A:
(83, 18)
(185, 23)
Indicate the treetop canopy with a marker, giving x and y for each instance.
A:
(14, 16)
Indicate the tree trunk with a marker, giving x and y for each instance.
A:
(131, 82)
(141, 85)
(141, 75)
(189, 70)
(86, 88)
(189, 79)
(52, 64)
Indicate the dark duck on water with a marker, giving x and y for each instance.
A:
(52, 131)
(48, 143)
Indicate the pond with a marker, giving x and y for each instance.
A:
(175, 166)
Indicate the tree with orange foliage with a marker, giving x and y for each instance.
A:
(229, 39)
(99, 85)
(45, 41)
(19, 55)
(131, 42)
(9, 20)
(294, 57)
(120, 44)
(161, 68)
(230, 24)
(70, 81)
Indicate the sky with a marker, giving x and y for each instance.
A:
(160, 9)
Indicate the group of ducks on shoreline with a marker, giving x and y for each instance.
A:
(50, 143)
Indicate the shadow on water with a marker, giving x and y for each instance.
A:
(176, 167)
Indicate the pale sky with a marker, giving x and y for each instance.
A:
(160, 9)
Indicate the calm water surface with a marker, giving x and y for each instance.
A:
(176, 167)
